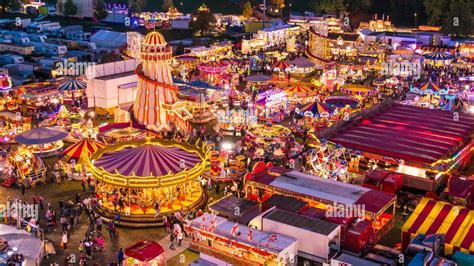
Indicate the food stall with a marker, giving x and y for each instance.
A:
(239, 244)
(232, 121)
(31, 168)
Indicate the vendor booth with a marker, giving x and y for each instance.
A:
(240, 244)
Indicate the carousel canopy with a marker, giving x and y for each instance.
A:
(202, 85)
(148, 160)
(317, 108)
(302, 62)
(258, 78)
(144, 250)
(281, 65)
(429, 88)
(439, 56)
(81, 151)
(40, 135)
(72, 85)
(213, 67)
(297, 90)
(357, 89)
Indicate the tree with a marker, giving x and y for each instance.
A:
(60, 7)
(11, 4)
(203, 20)
(100, 11)
(136, 6)
(436, 10)
(15, 5)
(70, 9)
(459, 19)
(279, 3)
(327, 6)
(248, 10)
(167, 4)
(359, 5)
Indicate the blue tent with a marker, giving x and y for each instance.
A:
(40, 135)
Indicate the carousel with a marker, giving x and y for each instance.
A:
(269, 140)
(428, 95)
(43, 141)
(213, 71)
(135, 177)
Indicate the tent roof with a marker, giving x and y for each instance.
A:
(406, 132)
(40, 135)
(300, 221)
(326, 189)
(72, 84)
(81, 150)
(147, 160)
(144, 250)
(439, 217)
(302, 62)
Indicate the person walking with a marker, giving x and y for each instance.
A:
(64, 240)
(120, 257)
(172, 238)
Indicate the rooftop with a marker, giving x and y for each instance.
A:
(303, 222)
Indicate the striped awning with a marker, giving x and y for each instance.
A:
(72, 85)
(297, 90)
(81, 151)
(439, 217)
(281, 65)
(439, 56)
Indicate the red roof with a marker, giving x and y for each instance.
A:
(144, 250)
(410, 133)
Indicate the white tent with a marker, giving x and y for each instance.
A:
(109, 39)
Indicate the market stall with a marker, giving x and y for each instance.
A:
(239, 244)
(141, 174)
(145, 253)
(43, 141)
(31, 168)
(439, 217)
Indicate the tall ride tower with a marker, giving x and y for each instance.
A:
(156, 93)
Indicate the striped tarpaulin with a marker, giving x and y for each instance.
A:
(81, 151)
(439, 217)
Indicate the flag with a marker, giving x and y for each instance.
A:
(250, 234)
(203, 223)
(272, 238)
(234, 230)
(213, 224)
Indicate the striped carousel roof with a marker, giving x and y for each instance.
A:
(72, 85)
(438, 55)
(281, 64)
(154, 38)
(317, 108)
(81, 151)
(148, 160)
(297, 90)
(429, 86)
